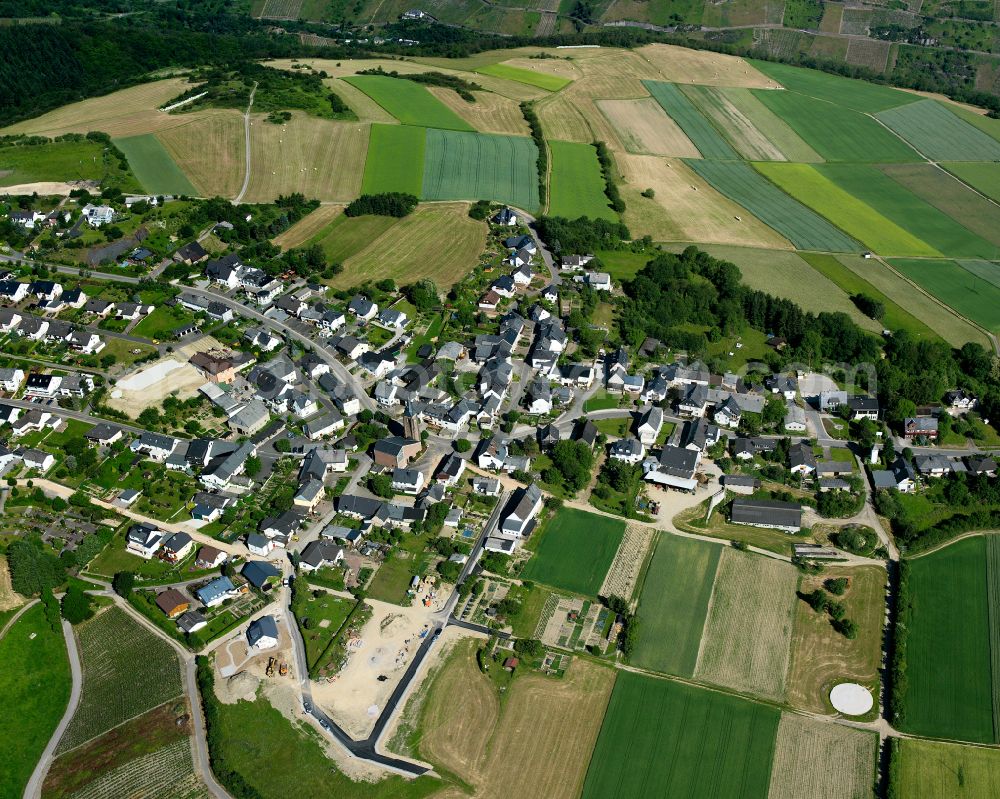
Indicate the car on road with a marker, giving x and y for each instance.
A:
(324, 724)
(307, 707)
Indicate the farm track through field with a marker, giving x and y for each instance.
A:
(246, 147)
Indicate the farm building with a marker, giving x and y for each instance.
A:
(785, 516)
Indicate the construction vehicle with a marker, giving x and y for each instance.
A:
(283, 669)
(269, 671)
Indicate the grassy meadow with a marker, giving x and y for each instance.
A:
(395, 160)
(153, 167)
(409, 102)
(551, 83)
(577, 186)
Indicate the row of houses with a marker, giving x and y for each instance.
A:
(37, 328)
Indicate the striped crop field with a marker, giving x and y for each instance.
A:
(698, 129)
(395, 160)
(957, 287)
(868, 98)
(474, 166)
(806, 229)
(409, 102)
(808, 185)
(939, 134)
(838, 133)
(153, 167)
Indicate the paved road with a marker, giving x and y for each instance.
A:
(34, 787)
(547, 257)
(66, 413)
(16, 616)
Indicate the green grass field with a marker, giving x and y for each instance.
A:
(347, 236)
(575, 551)
(983, 177)
(898, 204)
(806, 229)
(949, 687)
(395, 160)
(933, 770)
(835, 132)
(988, 125)
(806, 184)
(576, 182)
(153, 167)
(987, 270)
(409, 102)
(896, 318)
(481, 166)
(970, 295)
(664, 739)
(58, 161)
(698, 129)
(857, 94)
(551, 83)
(127, 670)
(939, 134)
(623, 264)
(35, 686)
(673, 604)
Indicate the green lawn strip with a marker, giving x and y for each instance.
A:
(575, 551)
(673, 604)
(835, 132)
(993, 606)
(395, 160)
(897, 203)
(35, 685)
(245, 735)
(662, 738)
(939, 134)
(153, 166)
(327, 608)
(807, 184)
(393, 577)
(474, 166)
(895, 317)
(409, 102)
(983, 177)
(949, 682)
(971, 296)
(551, 83)
(576, 183)
(347, 235)
(162, 322)
(848, 92)
(112, 646)
(806, 229)
(695, 125)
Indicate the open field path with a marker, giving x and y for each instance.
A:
(246, 144)
(16, 616)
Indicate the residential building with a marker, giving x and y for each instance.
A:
(263, 633)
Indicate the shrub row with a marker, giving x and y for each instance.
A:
(535, 125)
(608, 171)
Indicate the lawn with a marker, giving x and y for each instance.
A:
(551, 83)
(323, 616)
(35, 686)
(481, 166)
(392, 580)
(577, 185)
(115, 687)
(933, 770)
(848, 92)
(949, 690)
(153, 167)
(395, 160)
(970, 295)
(162, 322)
(614, 427)
(575, 551)
(835, 132)
(673, 604)
(601, 401)
(939, 134)
(662, 738)
(813, 188)
(623, 264)
(806, 229)
(984, 177)
(349, 235)
(57, 161)
(409, 102)
(694, 124)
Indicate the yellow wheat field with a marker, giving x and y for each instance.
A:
(704, 68)
(643, 127)
(307, 227)
(210, 150)
(491, 113)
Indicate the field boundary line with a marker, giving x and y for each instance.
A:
(950, 541)
(708, 614)
(246, 143)
(993, 614)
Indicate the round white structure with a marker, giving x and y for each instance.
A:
(851, 699)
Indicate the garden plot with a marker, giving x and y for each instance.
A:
(625, 569)
(167, 773)
(574, 623)
(748, 630)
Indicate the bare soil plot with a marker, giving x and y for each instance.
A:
(681, 65)
(644, 128)
(748, 631)
(491, 113)
(804, 763)
(209, 148)
(318, 157)
(750, 142)
(124, 113)
(411, 249)
(822, 657)
(686, 208)
(8, 598)
(309, 226)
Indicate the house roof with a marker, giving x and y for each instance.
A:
(767, 512)
(264, 627)
(258, 572)
(168, 601)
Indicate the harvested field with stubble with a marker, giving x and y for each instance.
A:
(822, 657)
(124, 113)
(804, 766)
(737, 127)
(411, 249)
(644, 128)
(703, 67)
(308, 227)
(697, 127)
(491, 113)
(685, 207)
(624, 572)
(322, 159)
(209, 149)
(748, 631)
